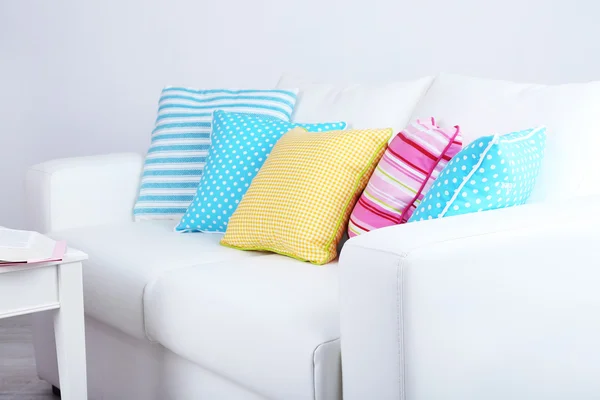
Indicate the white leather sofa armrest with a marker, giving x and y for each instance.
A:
(496, 305)
(82, 191)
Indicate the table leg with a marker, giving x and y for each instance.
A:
(69, 330)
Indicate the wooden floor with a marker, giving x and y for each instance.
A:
(18, 379)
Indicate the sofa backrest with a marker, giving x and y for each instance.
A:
(361, 106)
(484, 107)
(480, 107)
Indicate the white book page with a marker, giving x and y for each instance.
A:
(21, 246)
(11, 238)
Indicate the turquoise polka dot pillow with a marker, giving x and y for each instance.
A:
(492, 172)
(240, 144)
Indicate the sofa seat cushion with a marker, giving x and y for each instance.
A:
(124, 258)
(270, 323)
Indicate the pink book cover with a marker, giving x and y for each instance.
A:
(60, 249)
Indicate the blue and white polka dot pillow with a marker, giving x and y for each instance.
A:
(240, 144)
(492, 172)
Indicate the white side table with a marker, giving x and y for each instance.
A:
(53, 286)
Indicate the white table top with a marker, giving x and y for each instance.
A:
(73, 255)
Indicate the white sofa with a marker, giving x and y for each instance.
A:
(501, 304)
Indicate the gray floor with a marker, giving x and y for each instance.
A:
(18, 379)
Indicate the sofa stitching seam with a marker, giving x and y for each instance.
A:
(401, 254)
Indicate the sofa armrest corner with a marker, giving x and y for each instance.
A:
(423, 305)
(80, 191)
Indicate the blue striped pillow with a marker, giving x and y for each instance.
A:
(181, 139)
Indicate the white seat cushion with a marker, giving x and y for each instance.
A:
(570, 112)
(361, 106)
(270, 323)
(124, 258)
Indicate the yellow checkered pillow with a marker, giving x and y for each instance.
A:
(299, 203)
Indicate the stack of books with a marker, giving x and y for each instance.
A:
(26, 247)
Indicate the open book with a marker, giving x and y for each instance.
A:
(25, 247)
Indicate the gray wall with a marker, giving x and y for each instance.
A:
(83, 77)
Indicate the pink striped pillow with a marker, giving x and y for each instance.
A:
(410, 165)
